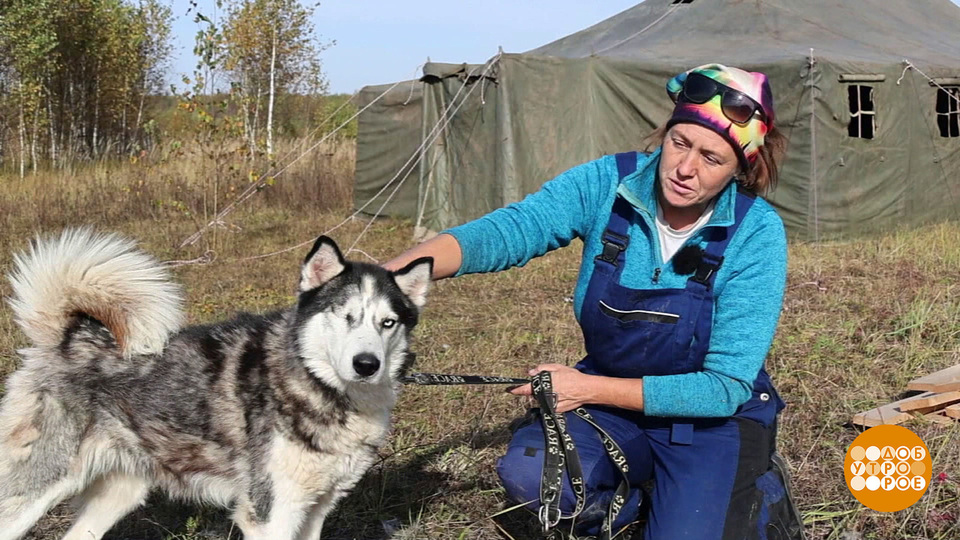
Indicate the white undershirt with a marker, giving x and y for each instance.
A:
(671, 240)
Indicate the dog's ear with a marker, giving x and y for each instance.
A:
(414, 279)
(323, 263)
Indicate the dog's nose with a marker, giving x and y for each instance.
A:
(365, 364)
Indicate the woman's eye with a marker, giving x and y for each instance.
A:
(388, 323)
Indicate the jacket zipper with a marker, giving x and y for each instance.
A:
(656, 274)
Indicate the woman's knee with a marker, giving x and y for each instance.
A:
(520, 468)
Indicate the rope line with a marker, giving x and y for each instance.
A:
(910, 65)
(413, 82)
(426, 189)
(426, 141)
(434, 134)
(638, 32)
(417, 154)
(208, 257)
(261, 182)
(933, 143)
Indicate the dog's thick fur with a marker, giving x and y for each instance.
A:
(276, 416)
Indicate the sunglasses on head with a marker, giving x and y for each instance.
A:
(738, 107)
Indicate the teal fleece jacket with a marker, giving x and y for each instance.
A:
(748, 289)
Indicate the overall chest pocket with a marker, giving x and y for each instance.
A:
(641, 332)
(654, 310)
(639, 315)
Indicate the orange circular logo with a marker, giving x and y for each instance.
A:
(887, 468)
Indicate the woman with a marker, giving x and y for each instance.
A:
(675, 338)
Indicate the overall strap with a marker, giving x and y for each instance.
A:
(712, 258)
(615, 239)
(626, 164)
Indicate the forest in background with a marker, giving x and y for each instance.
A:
(88, 80)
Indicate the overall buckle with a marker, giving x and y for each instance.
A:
(613, 245)
(706, 269)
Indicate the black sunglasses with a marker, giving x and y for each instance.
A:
(738, 107)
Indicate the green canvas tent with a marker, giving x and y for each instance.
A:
(872, 145)
(390, 130)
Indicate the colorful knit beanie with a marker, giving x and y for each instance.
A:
(742, 117)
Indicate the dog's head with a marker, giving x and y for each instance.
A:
(354, 319)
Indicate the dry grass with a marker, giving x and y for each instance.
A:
(861, 318)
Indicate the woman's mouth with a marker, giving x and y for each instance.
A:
(680, 188)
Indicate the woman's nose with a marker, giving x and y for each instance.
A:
(688, 165)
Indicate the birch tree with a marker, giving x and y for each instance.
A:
(271, 48)
(75, 75)
(27, 38)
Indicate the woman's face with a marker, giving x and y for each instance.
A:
(696, 164)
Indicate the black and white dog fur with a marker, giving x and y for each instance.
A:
(276, 416)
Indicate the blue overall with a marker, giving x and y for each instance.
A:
(703, 469)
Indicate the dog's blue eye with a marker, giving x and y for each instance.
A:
(388, 323)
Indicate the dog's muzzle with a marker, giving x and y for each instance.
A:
(365, 364)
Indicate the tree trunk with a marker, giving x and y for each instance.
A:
(73, 134)
(247, 120)
(77, 136)
(22, 131)
(33, 139)
(256, 113)
(3, 137)
(124, 139)
(96, 119)
(53, 132)
(136, 127)
(273, 66)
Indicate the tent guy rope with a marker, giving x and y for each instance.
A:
(446, 116)
(255, 187)
(910, 65)
(417, 154)
(642, 30)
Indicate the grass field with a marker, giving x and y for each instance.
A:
(861, 318)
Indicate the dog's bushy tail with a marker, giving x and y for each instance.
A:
(103, 276)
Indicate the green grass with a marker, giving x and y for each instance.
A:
(861, 318)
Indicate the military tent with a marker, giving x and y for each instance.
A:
(866, 91)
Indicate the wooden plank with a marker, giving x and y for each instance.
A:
(953, 411)
(945, 380)
(891, 413)
(938, 399)
(939, 418)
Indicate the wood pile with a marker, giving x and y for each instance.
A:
(939, 401)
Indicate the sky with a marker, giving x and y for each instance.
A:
(383, 41)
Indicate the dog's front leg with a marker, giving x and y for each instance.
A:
(282, 523)
(314, 522)
(318, 513)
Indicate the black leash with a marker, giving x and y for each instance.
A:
(429, 379)
(561, 453)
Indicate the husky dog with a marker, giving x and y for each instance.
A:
(276, 416)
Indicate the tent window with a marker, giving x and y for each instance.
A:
(682, 1)
(862, 111)
(948, 111)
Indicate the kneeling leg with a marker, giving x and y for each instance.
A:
(520, 469)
